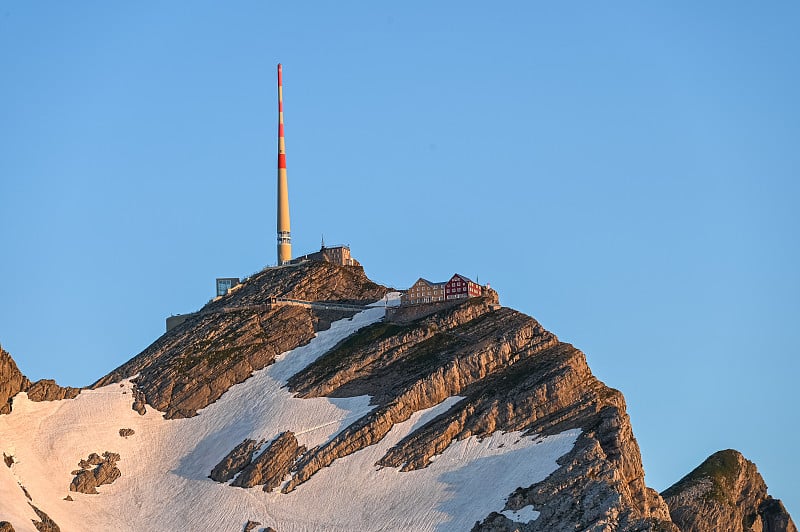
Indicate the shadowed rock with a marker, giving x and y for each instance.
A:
(271, 466)
(240, 457)
(5, 526)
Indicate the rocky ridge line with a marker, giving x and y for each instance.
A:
(192, 365)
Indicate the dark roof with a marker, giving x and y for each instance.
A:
(463, 278)
(430, 282)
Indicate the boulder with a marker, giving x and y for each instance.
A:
(105, 472)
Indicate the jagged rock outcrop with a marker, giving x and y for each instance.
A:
(726, 492)
(139, 402)
(240, 457)
(774, 517)
(250, 525)
(192, 365)
(9, 460)
(46, 524)
(271, 466)
(87, 479)
(12, 382)
(48, 390)
(126, 432)
(5, 526)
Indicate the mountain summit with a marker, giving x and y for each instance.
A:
(305, 400)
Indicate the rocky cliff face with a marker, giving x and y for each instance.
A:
(726, 492)
(12, 382)
(514, 376)
(192, 365)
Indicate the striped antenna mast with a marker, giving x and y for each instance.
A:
(284, 230)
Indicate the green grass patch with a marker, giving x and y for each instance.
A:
(428, 353)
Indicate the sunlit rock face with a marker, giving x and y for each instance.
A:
(726, 492)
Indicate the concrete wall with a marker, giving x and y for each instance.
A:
(407, 313)
(174, 321)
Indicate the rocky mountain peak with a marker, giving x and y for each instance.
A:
(192, 365)
(726, 492)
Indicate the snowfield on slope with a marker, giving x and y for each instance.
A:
(166, 463)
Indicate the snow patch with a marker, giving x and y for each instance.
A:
(526, 514)
(391, 299)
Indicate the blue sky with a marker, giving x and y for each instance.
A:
(626, 173)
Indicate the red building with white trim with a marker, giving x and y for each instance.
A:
(460, 287)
